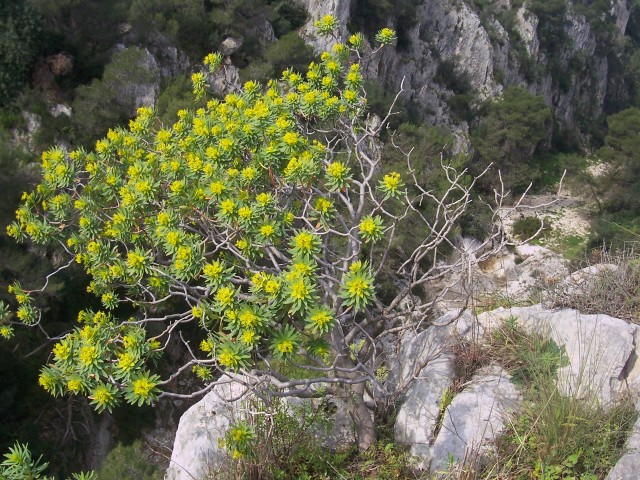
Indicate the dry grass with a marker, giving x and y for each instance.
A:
(612, 289)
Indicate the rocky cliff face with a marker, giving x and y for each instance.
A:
(490, 48)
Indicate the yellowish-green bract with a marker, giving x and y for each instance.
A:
(234, 217)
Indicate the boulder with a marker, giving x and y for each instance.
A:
(580, 279)
(226, 79)
(474, 419)
(426, 366)
(196, 450)
(628, 467)
(601, 350)
(230, 46)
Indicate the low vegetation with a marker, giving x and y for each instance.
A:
(613, 288)
(285, 440)
(554, 435)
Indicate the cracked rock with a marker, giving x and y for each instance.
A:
(475, 418)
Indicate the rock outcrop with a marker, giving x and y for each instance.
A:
(488, 49)
(600, 349)
(628, 466)
(317, 9)
(445, 423)
(197, 451)
(474, 419)
(601, 353)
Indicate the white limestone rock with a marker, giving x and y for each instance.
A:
(628, 467)
(427, 366)
(474, 419)
(598, 347)
(195, 452)
(425, 369)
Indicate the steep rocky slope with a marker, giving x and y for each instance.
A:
(490, 45)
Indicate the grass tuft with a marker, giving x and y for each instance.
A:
(554, 436)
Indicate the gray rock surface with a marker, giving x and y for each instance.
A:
(426, 365)
(600, 348)
(317, 9)
(628, 467)
(475, 417)
(196, 452)
(226, 79)
(143, 88)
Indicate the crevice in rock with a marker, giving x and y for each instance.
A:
(445, 401)
(469, 357)
(630, 364)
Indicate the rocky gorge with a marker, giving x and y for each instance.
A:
(491, 47)
(444, 393)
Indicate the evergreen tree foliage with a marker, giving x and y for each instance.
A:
(514, 128)
(20, 27)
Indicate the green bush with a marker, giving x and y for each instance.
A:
(175, 96)
(129, 462)
(20, 27)
(283, 441)
(527, 227)
(513, 130)
(290, 51)
(287, 15)
(286, 443)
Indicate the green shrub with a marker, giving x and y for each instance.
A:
(129, 462)
(527, 227)
(283, 441)
(290, 51)
(287, 15)
(20, 40)
(175, 96)
(513, 130)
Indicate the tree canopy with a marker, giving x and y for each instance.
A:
(514, 128)
(621, 154)
(20, 26)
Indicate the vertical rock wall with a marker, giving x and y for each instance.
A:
(487, 55)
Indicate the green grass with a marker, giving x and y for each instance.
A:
(572, 247)
(554, 436)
